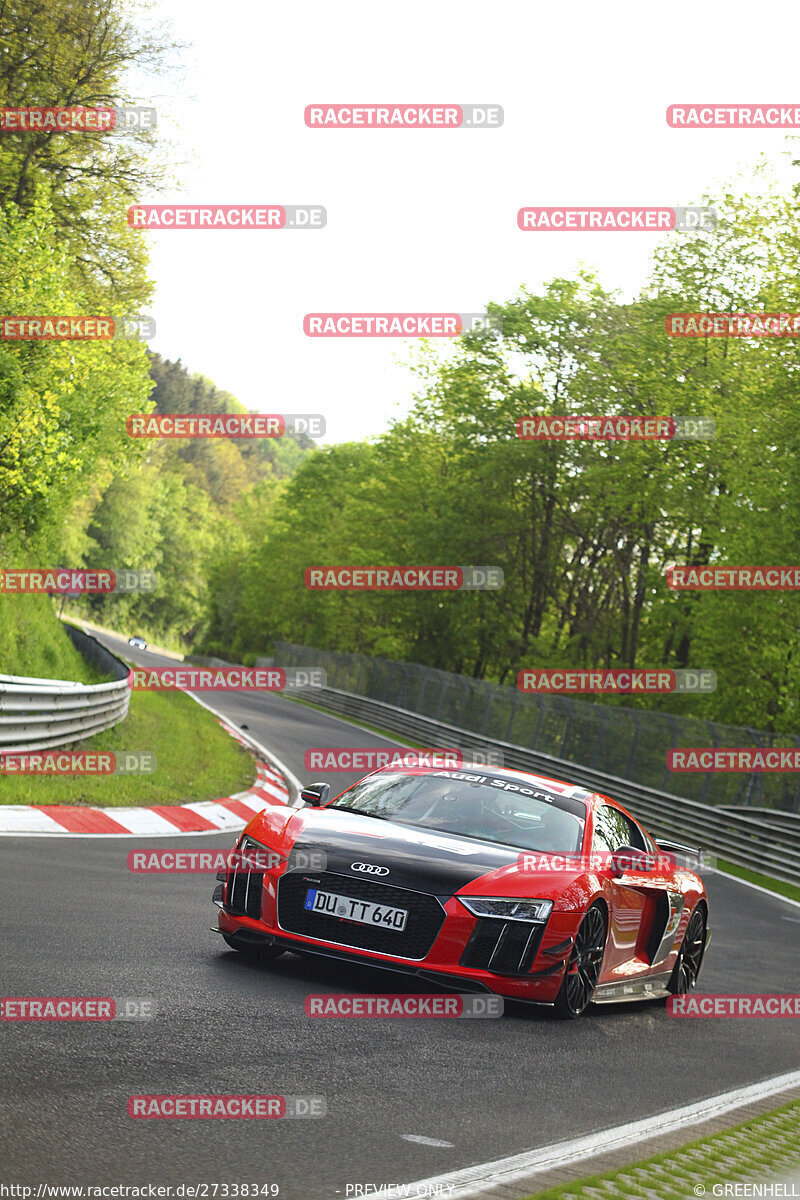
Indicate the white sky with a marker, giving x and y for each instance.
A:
(426, 220)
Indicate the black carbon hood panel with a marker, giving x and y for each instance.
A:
(419, 859)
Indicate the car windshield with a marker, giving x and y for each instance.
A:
(490, 807)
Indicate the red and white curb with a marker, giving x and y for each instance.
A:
(207, 816)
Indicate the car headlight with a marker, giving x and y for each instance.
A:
(507, 909)
(248, 843)
(248, 855)
(251, 855)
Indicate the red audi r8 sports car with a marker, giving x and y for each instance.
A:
(480, 879)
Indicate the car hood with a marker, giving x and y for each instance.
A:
(415, 858)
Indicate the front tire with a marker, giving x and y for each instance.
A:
(583, 967)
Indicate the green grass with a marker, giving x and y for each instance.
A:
(765, 1145)
(765, 881)
(195, 760)
(33, 642)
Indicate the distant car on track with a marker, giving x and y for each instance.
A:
(480, 879)
(138, 642)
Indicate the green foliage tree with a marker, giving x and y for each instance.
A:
(69, 53)
(172, 512)
(584, 531)
(66, 248)
(62, 404)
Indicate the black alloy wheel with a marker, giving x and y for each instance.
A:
(690, 956)
(583, 967)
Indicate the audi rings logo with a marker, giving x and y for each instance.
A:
(369, 868)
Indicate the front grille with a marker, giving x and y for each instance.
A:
(244, 893)
(502, 947)
(425, 915)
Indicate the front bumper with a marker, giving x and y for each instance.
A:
(516, 960)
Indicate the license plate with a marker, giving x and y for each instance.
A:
(329, 904)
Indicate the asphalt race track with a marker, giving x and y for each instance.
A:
(78, 923)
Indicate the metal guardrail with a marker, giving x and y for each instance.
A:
(42, 714)
(742, 837)
(624, 741)
(202, 660)
(769, 816)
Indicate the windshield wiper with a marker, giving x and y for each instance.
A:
(361, 812)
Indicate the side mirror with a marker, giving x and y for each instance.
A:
(316, 794)
(628, 858)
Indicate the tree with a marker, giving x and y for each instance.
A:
(62, 404)
(69, 53)
(583, 530)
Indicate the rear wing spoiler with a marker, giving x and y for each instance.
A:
(691, 857)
